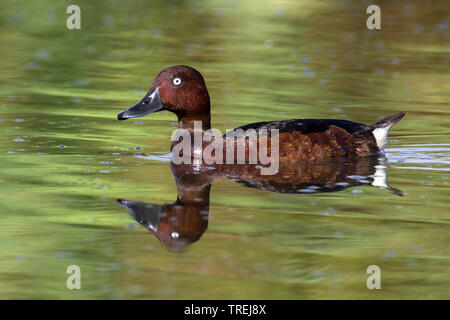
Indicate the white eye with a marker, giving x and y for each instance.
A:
(176, 81)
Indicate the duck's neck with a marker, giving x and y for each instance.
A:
(194, 124)
(198, 196)
(191, 122)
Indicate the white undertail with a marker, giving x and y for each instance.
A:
(381, 136)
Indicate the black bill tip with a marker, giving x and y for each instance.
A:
(121, 116)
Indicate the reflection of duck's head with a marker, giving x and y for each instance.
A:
(176, 225)
(179, 89)
(181, 223)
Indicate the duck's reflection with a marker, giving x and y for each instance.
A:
(182, 223)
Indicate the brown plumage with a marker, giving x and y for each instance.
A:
(182, 90)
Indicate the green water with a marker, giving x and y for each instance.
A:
(65, 159)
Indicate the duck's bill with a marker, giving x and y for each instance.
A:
(147, 214)
(149, 104)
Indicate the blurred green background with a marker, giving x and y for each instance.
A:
(64, 157)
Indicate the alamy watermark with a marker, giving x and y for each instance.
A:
(74, 280)
(237, 147)
(374, 20)
(74, 20)
(373, 281)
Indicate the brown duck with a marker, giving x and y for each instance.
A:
(182, 90)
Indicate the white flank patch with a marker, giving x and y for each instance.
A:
(381, 136)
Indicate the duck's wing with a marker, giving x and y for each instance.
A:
(318, 139)
(307, 126)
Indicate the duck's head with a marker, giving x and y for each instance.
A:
(179, 89)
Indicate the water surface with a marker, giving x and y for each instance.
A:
(65, 159)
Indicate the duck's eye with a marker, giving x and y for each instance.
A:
(176, 81)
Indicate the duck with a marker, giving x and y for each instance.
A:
(182, 90)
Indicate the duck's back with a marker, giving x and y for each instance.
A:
(306, 126)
